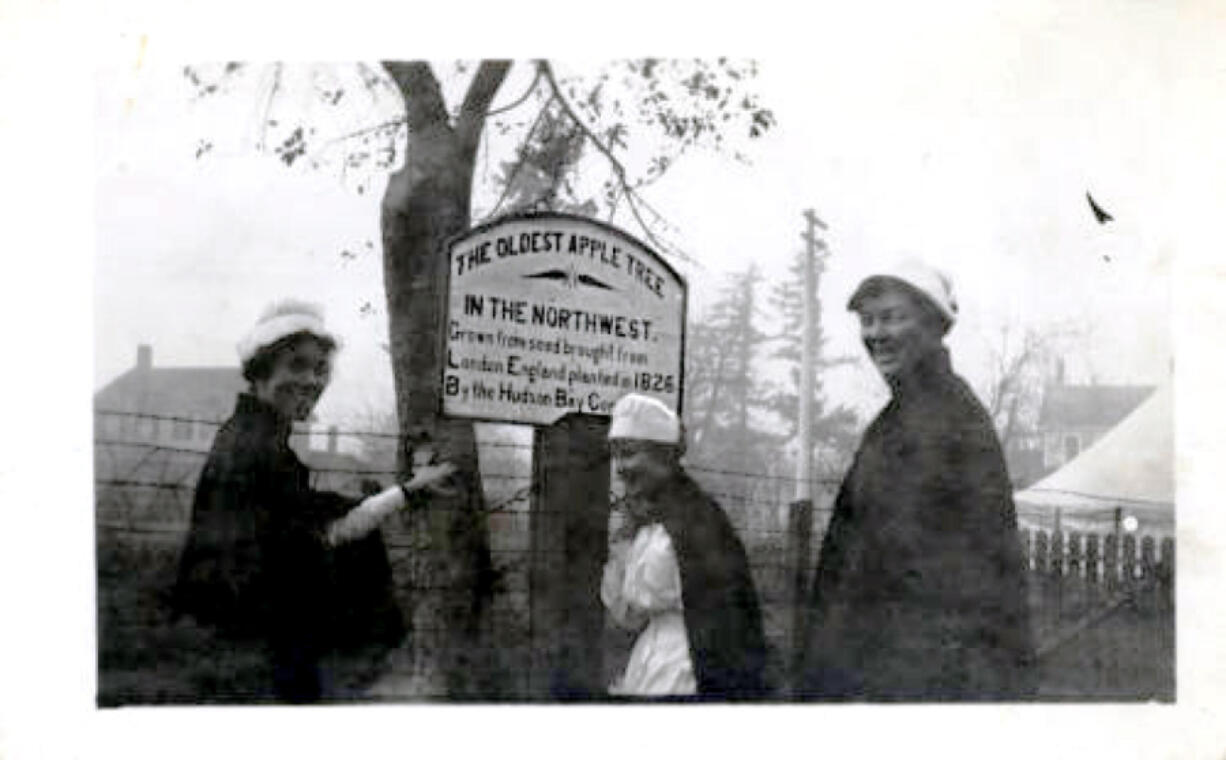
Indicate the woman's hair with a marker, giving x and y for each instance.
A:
(259, 366)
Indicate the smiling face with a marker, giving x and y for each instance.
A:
(298, 374)
(897, 330)
(644, 468)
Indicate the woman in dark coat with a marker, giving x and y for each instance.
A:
(920, 591)
(285, 575)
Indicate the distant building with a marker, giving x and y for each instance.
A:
(156, 425)
(175, 406)
(1024, 457)
(1072, 417)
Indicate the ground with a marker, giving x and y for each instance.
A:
(146, 658)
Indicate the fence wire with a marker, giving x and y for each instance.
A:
(144, 491)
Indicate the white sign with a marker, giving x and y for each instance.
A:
(550, 314)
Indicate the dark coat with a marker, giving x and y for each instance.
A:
(920, 591)
(255, 566)
(722, 619)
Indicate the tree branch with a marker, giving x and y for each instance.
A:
(520, 100)
(674, 250)
(618, 170)
(506, 187)
(617, 199)
(316, 154)
(272, 95)
(474, 109)
(424, 104)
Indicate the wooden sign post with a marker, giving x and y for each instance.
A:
(570, 511)
(550, 319)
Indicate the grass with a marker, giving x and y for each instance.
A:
(145, 658)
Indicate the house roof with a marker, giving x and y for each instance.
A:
(200, 392)
(1089, 406)
(1132, 466)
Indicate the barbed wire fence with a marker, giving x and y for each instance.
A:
(147, 465)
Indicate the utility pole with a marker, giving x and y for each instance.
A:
(800, 512)
(804, 478)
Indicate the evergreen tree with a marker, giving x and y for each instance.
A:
(834, 428)
(732, 446)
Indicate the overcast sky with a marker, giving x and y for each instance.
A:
(973, 149)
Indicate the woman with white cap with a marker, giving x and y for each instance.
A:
(285, 575)
(920, 592)
(677, 571)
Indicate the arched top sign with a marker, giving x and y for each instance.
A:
(552, 313)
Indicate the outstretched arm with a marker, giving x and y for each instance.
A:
(373, 510)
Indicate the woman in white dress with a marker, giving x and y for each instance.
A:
(677, 571)
(642, 589)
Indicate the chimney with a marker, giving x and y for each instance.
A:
(144, 357)
(332, 435)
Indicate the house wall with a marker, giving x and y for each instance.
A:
(1055, 448)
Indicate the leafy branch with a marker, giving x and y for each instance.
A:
(521, 159)
(619, 171)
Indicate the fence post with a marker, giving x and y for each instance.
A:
(1111, 562)
(1073, 580)
(1074, 556)
(1148, 561)
(1057, 571)
(1149, 581)
(1166, 560)
(1040, 578)
(1040, 554)
(800, 538)
(1092, 568)
(1166, 571)
(1129, 560)
(569, 516)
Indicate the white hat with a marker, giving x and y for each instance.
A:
(928, 281)
(280, 319)
(644, 418)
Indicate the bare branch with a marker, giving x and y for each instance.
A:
(617, 199)
(618, 170)
(520, 100)
(357, 133)
(654, 212)
(272, 95)
(633, 198)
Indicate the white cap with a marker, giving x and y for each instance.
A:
(280, 319)
(928, 281)
(644, 418)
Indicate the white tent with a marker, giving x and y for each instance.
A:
(1130, 468)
